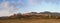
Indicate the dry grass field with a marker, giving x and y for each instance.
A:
(30, 21)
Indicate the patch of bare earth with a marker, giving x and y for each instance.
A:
(31, 21)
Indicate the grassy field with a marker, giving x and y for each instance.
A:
(30, 21)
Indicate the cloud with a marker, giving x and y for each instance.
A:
(6, 8)
(32, 2)
(40, 1)
(5, 4)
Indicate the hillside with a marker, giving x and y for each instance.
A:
(32, 17)
(41, 15)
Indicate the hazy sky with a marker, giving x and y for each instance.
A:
(8, 7)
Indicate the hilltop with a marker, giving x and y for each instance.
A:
(30, 15)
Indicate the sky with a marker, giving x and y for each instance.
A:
(8, 7)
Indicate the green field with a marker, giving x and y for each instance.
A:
(30, 21)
